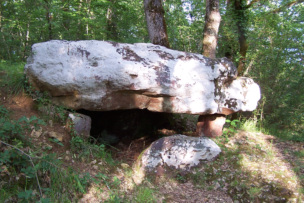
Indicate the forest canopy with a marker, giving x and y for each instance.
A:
(264, 36)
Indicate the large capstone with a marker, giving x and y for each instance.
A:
(103, 76)
(179, 152)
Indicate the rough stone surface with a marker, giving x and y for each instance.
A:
(102, 76)
(79, 124)
(179, 152)
(36, 133)
(210, 125)
(55, 135)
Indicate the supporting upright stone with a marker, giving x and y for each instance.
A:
(79, 124)
(210, 125)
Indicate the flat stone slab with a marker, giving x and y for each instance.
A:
(102, 76)
(179, 152)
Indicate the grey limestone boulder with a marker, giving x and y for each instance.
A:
(179, 152)
(79, 124)
(102, 76)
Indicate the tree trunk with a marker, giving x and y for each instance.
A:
(81, 30)
(156, 24)
(3, 38)
(48, 17)
(112, 33)
(27, 39)
(65, 16)
(0, 17)
(239, 8)
(212, 23)
(88, 14)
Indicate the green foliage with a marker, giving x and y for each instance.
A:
(231, 127)
(48, 109)
(59, 183)
(85, 149)
(23, 23)
(11, 77)
(285, 134)
(300, 154)
(250, 125)
(4, 113)
(254, 192)
(181, 178)
(145, 194)
(26, 195)
(11, 130)
(275, 62)
(185, 23)
(54, 140)
(24, 170)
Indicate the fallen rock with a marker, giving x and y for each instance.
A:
(102, 76)
(52, 134)
(79, 124)
(125, 166)
(36, 133)
(179, 152)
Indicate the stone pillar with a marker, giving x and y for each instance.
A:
(79, 124)
(210, 125)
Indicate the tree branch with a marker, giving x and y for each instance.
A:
(288, 5)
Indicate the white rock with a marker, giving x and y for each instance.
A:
(101, 76)
(179, 152)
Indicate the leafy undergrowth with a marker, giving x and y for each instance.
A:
(255, 167)
(34, 166)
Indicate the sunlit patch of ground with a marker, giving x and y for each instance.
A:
(255, 169)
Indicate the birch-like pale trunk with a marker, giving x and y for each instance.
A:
(212, 23)
(156, 23)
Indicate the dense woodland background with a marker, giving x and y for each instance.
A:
(266, 36)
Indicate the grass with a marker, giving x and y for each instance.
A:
(12, 78)
(299, 154)
(250, 125)
(86, 150)
(254, 192)
(286, 133)
(145, 194)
